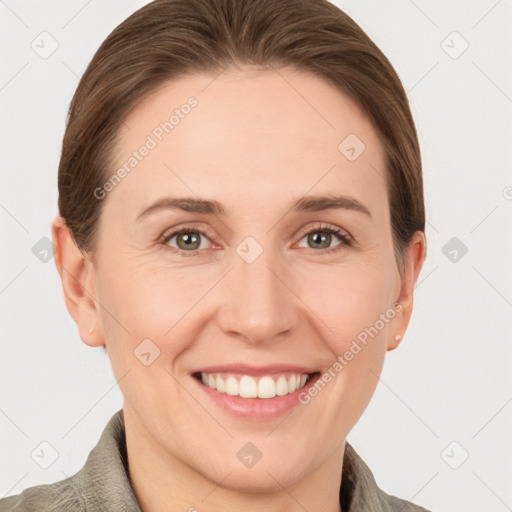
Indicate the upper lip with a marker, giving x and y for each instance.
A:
(246, 369)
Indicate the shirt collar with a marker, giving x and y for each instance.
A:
(103, 483)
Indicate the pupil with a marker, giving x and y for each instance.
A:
(188, 239)
(319, 238)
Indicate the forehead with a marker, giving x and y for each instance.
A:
(247, 132)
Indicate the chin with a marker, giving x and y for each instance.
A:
(265, 476)
(259, 481)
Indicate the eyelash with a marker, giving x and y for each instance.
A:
(346, 240)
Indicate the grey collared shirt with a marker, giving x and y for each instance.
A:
(103, 484)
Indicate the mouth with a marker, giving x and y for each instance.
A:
(257, 393)
(249, 386)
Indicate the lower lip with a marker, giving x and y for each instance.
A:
(256, 408)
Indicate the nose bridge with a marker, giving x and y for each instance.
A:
(258, 306)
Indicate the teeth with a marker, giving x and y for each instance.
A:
(291, 383)
(220, 385)
(250, 387)
(232, 386)
(266, 388)
(282, 386)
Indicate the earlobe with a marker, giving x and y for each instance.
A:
(413, 261)
(392, 344)
(79, 293)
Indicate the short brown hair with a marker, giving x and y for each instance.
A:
(167, 39)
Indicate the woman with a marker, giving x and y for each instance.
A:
(241, 226)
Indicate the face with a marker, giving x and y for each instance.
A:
(277, 267)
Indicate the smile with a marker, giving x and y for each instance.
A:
(247, 386)
(254, 392)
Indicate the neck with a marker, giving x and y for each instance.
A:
(163, 482)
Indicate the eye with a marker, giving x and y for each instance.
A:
(322, 236)
(187, 239)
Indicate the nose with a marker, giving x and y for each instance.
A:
(258, 306)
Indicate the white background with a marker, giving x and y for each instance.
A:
(450, 380)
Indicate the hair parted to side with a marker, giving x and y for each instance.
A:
(167, 39)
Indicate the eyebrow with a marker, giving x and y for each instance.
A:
(314, 203)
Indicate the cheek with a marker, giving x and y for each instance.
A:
(348, 299)
(356, 302)
(142, 301)
(143, 312)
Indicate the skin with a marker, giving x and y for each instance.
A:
(254, 144)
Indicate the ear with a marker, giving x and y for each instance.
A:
(77, 275)
(414, 257)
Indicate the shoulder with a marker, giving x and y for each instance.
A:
(64, 495)
(392, 503)
(101, 484)
(360, 492)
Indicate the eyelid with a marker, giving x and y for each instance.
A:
(319, 226)
(170, 233)
(346, 240)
